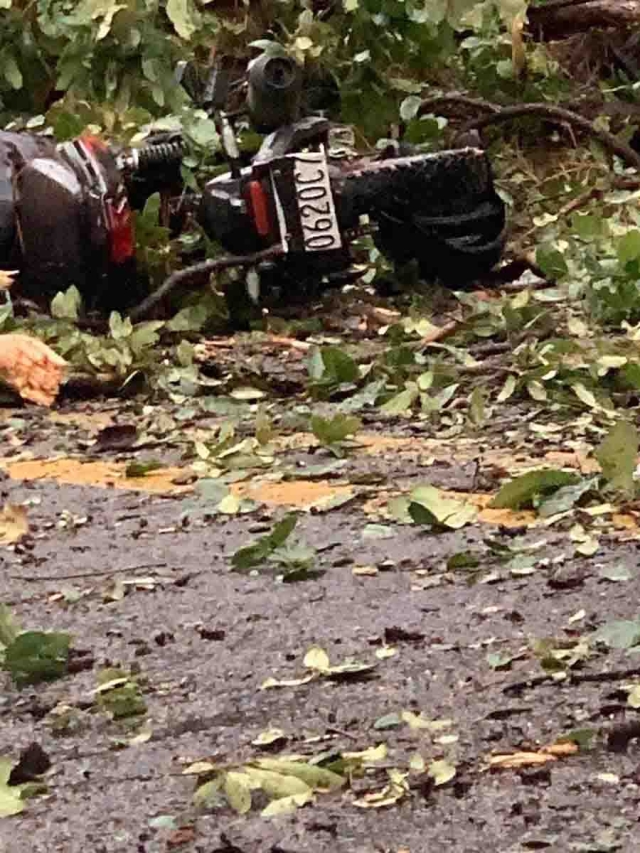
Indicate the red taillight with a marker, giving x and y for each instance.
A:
(93, 143)
(259, 208)
(121, 233)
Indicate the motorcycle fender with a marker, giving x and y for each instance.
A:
(49, 208)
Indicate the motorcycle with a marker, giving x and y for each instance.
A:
(290, 212)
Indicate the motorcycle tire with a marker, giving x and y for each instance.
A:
(439, 209)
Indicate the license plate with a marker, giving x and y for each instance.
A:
(316, 210)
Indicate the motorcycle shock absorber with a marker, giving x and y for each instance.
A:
(151, 156)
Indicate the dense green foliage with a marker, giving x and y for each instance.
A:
(119, 57)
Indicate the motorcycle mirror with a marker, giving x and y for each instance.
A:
(274, 92)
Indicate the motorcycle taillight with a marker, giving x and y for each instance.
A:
(120, 229)
(259, 206)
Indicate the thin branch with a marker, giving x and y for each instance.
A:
(95, 574)
(559, 115)
(494, 114)
(197, 273)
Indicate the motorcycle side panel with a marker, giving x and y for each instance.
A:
(50, 207)
(15, 150)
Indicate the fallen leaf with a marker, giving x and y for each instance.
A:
(13, 523)
(386, 652)
(441, 772)
(619, 634)
(270, 682)
(617, 455)
(286, 805)
(561, 748)
(116, 437)
(519, 759)
(429, 505)
(270, 737)
(364, 571)
(180, 837)
(521, 491)
(11, 802)
(317, 659)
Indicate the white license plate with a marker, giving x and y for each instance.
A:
(315, 203)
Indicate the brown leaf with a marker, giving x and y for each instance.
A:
(561, 748)
(116, 437)
(13, 523)
(181, 836)
(544, 755)
(519, 759)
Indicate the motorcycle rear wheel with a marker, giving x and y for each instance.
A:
(440, 209)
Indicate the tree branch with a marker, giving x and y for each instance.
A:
(559, 19)
(494, 114)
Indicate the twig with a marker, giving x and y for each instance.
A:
(441, 332)
(573, 679)
(494, 114)
(557, 115)
(332, 730)
(579, 201)
(495, 348)
(430, 105)
(195, 273)
(101, 573)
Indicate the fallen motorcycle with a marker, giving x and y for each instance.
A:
(290, 214)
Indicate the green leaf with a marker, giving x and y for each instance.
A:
(67, 305)
(275, 784)
(628, 247)
(403, 401)
(141, 469)
(409, 107)
(499, 660)
(253, 555)
(551, 262)
(389, 721)
(286, 805)
(581, 737)
(429, 505)
(315, 777)
(11, 803)
(441, 772)
(237, 790)
(36, 656)
(477, 407)
(378, 531)
(619, 634)
(119, 695)
(120, 329)
(8, 628)
(317, 659)
(144, 336)
(463, 560)
(11, 72)
(522, 491)
(330, 431)
(615, 573)
(183, 16)
(189, 319)
(565, 498)
(617, 455)
(331, 367)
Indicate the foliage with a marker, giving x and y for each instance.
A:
(31, 656)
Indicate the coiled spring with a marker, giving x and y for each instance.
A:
(162, 154)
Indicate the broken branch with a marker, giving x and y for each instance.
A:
(559, 19)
